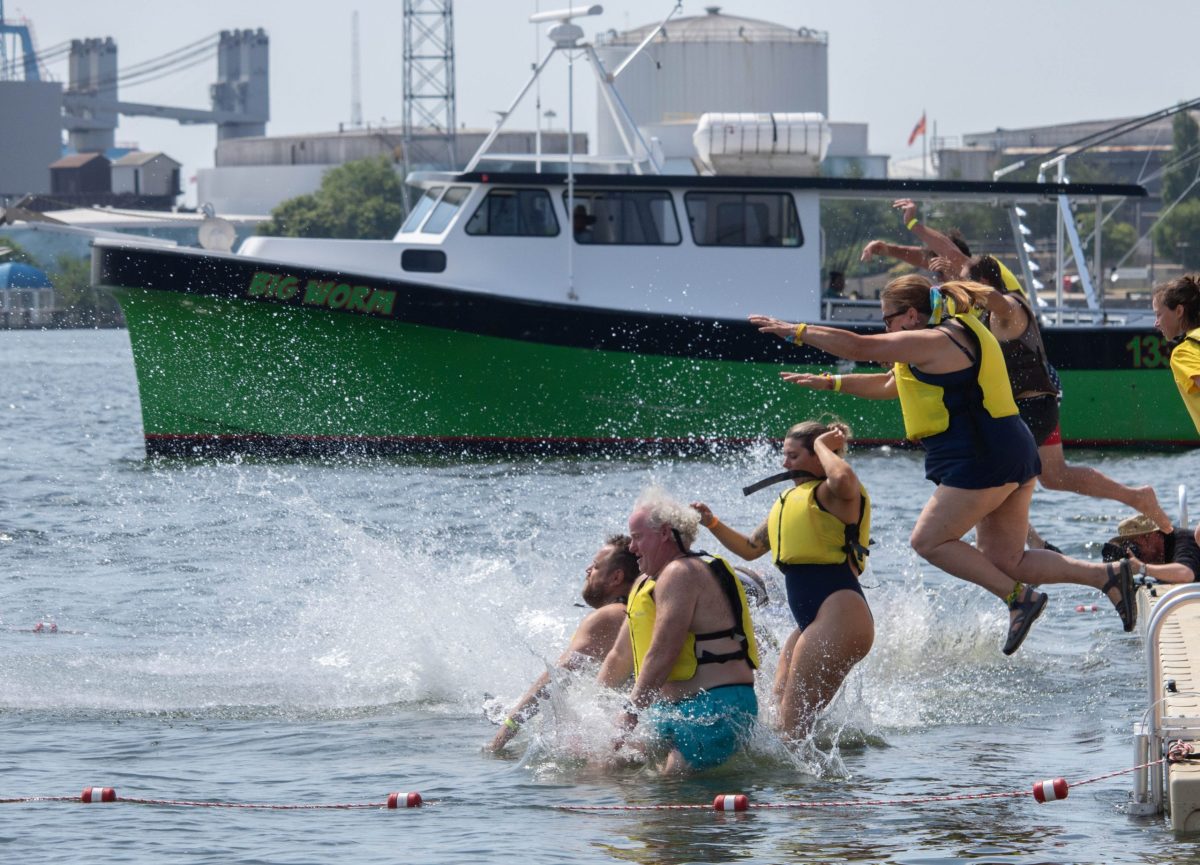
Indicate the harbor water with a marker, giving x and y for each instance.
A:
(312, 632)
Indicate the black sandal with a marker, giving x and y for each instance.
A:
(1027, 607)
(1122, 580)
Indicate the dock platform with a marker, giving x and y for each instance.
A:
(1170, 621)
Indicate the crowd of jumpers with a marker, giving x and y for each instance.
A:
(966, 361)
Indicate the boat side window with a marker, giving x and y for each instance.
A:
(514, 213)
(445, 209)
(743, 219)
(428, 198)
(624, 216)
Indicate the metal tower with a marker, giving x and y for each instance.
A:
(429, 115)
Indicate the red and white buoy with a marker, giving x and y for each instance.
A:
(731, 802)
(404, 800)
(91, 795)
(1050, 790)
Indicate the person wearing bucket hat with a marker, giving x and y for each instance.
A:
(1168, 557)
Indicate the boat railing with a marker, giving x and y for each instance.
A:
(846, 309)
(841, 309)
(1153, 730)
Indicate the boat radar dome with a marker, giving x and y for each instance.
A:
(566, 34)
(565, 15)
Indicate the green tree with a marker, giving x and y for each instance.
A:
(1116, 238)
(1182, 174)
(1178, 235)
(15, 252)
(361, 199)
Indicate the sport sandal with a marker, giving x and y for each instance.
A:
(1028, 604)
(1122, 579)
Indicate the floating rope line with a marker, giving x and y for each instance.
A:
(97, 795)
(1050, 790)
(1043, 791)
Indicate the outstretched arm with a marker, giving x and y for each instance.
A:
(913, 255)
(875, 385)
(932, 238)
(592, 640)
(748, 547)
(908, 346)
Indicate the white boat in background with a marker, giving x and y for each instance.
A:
(534, 302)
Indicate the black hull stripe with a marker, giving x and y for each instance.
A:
(560, 324)
(162, 445)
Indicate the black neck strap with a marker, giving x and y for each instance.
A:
(793, 475)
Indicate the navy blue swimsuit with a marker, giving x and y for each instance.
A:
(809, 585)
(977, 451)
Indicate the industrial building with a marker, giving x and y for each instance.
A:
(696, 65)
(725, 63)
(88, 110)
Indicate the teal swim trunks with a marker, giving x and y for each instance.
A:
(706, 728)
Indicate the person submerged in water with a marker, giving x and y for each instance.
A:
(949, 375)
(688, 641)
(606, 589)
(817, 532)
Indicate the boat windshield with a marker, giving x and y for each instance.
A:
(445, 209)
(421, 210)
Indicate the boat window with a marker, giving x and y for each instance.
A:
(445, 210)
(514, 213)
(421, 210)
(624, 216)
(743, 219)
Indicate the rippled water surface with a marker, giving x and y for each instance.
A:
(328, 632)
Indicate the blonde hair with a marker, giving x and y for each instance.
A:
(807, 432)
(916, 292)
(661, 509)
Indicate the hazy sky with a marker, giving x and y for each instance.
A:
(973, 66)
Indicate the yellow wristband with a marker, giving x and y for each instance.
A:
(796, 337)
(837, 383)
(511, 724)
(713, 524)
(909, 225)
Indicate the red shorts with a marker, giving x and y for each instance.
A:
(1055, 438)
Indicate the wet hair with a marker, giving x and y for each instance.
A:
(956, 237)
(913, 292)
(986, 270)
(621, 557)
(661, 509)
(807, 432)
(1185, 292)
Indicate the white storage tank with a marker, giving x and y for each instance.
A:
(713, 63)
(780, 144)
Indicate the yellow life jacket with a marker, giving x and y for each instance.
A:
(1011, 283)
(641, 612)
(802, 532)
(923, 405)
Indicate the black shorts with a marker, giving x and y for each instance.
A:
(1040, 414)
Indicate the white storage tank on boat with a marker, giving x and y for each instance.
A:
(713, 62)
(790, 145)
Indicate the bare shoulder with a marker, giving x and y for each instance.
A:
(680, 576)
(596, 633)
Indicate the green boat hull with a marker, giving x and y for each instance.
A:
(230, 371)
